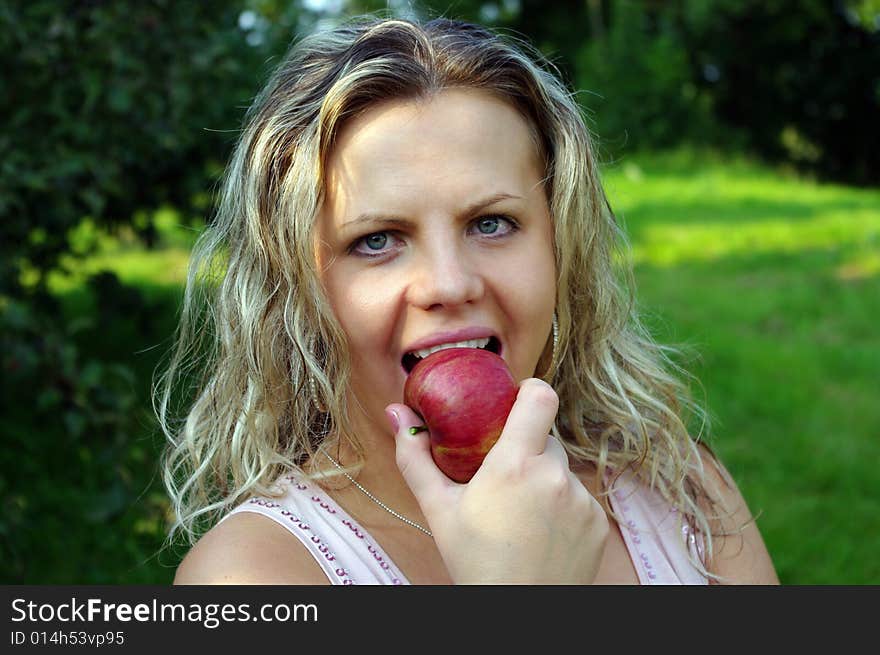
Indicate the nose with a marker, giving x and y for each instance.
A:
(445, 276)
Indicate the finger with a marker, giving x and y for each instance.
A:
(531, 418)
(555, 449)
(414, 459)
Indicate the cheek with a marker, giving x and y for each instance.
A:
(527, 293)
(531, 281)
(364, 308)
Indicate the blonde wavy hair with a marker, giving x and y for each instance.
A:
(258, 341)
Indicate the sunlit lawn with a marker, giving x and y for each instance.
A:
(775, 283)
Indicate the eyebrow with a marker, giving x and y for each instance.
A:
(470, 210)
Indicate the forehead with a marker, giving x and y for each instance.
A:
(431, 151)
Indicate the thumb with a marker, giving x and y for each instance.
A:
(414, 460)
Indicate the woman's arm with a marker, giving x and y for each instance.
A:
(740, 555)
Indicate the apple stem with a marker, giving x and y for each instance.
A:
(418, 428)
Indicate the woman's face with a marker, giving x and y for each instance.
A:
(436, 229)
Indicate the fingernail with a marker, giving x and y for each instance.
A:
(393, 419)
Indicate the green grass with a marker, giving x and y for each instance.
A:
(773, 280)
(163, 267)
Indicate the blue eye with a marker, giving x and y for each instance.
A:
(488, 225)
(376, 241)
(496, 226)
(373, 245)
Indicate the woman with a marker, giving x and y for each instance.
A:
(400, 187)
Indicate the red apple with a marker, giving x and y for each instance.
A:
(464, 395)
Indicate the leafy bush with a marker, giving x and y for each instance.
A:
(791, 80)
(76, 460)
(111, 109)
(639, 84)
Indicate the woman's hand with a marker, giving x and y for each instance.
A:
(524, 517)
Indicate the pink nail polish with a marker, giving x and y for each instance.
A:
(394, 419)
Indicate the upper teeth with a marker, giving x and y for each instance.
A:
(471, 343)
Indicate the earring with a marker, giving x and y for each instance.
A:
(551, 369)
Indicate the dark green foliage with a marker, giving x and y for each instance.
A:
(109, 109)
(791, 80)
(638, 86)
(78, 446)
(801, 79)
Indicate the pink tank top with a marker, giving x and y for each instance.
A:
(658, 544)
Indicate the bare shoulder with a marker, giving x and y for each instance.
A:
(249, 549)
(740, 555)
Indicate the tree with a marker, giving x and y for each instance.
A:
(111, 110)
(801, 78)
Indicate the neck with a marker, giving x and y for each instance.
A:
(379, 476)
